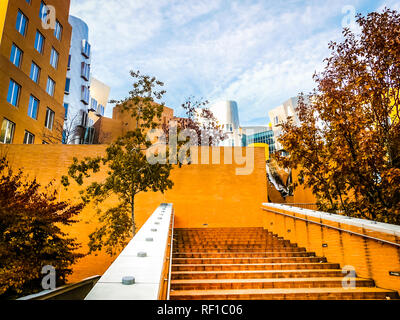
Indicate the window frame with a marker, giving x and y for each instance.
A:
(31, 108)
(12, 59)
(50, 80)
(38, 72)
(67, 86)
(8, 122)
(15, 84)
(18, 27)
(50, 116)
(42, 43)
(58, 31)
(54, 53)
(27, 134)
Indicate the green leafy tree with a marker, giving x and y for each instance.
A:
(128, 172)
(30, 234)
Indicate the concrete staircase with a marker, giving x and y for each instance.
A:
(252, 263)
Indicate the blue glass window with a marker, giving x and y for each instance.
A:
(85, 71)
(22, 23)
(85, 95)
(14, 91)
(50, 86)
(39, 42)
(33, 107)
(35, 72)
(67, 85)
(16, 55)
(54, 58)
(43, 11)
(58, 30)
(66, 111)
(86, 48)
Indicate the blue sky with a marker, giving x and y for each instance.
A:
(258, 53)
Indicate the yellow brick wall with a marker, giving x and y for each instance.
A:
(203, 194)
(370, 258)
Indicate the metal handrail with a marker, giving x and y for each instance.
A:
(170, 254)
(335, 228)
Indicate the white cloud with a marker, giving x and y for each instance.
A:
(258, 53)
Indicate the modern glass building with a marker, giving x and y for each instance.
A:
(77, 87)
(259, 135)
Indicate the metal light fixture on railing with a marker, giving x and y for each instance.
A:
(128, 280)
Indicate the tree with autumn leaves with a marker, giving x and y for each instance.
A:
(347, 146)
(30, 234)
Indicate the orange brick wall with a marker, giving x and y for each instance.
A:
(370, 258)
(203, 194)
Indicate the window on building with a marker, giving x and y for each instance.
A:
(85, 95)
(49, 121)
(85, 71)
(16, 56)
(29, 138)
(69, 62)
(14, 91)
(64, 137)
(93, 104)
(22, 23)
(100, 110)
(86, 49)
(7, 131)
(67, 85)
(39, 42)
(89, 136)
(54, 58)
(33, 107)
(35, 72)
(58, 30)
(66, 105)
(50, 86)
(84, 119)
(43, 11)
(276, 120)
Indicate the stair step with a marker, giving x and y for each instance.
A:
(223, 250)
(215, 284)
(287, 253)
(246, 260)
(256, 274)
(254, 266)
(253, 263)
(284, 294)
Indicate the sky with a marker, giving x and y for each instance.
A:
(257, 53)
